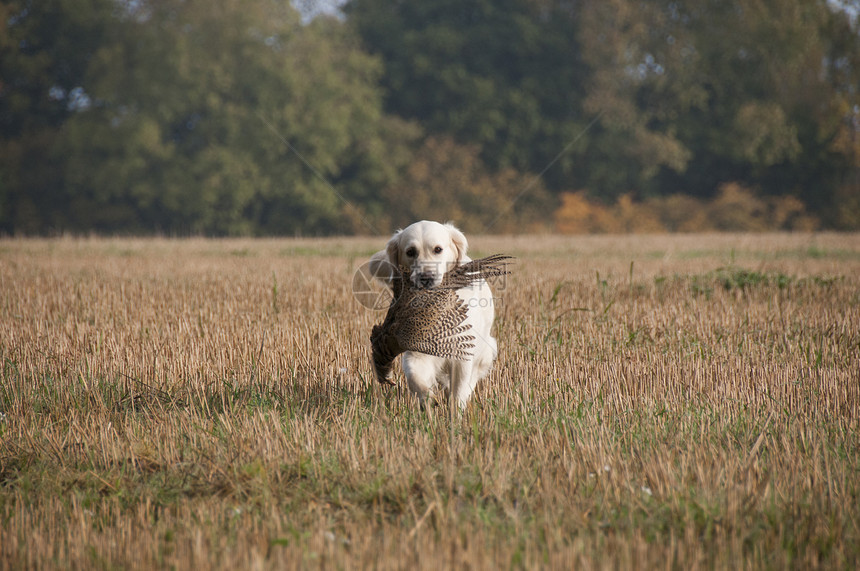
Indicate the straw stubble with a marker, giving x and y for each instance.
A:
(690, 401)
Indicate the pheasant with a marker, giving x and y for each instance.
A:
(430, 320)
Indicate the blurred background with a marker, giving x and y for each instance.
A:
(265, 117)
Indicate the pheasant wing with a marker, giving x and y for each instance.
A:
(474, 271)
(433, 322)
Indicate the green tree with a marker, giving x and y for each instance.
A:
(45, 49)
(658, 97)
(252, 125)
(226, 118)
(754, 91)
(506, 75)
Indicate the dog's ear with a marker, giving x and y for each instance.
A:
(393, 248)
(382, 263)
(459, 241)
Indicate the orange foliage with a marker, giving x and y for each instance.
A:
(636, 217)
(735, 208)
(682, 213)
(578, 215)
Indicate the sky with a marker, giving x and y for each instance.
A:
(310, 9)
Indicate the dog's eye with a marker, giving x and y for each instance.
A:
(437, 249)
(411, 252)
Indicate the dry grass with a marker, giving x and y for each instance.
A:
(676, 401)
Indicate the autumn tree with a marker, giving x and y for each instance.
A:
(448, 181)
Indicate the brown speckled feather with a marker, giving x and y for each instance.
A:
(430, 320)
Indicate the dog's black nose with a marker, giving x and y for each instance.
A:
(425, 279)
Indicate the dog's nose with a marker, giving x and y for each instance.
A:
(425, 279)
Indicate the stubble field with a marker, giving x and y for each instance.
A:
(659, 402)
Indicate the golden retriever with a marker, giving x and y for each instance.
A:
(429, 249)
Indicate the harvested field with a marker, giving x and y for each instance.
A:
(685, 401)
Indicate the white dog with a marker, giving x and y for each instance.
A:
(430, 249)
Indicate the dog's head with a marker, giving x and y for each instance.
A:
(428, 250)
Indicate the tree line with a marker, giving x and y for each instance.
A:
(239, 118)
